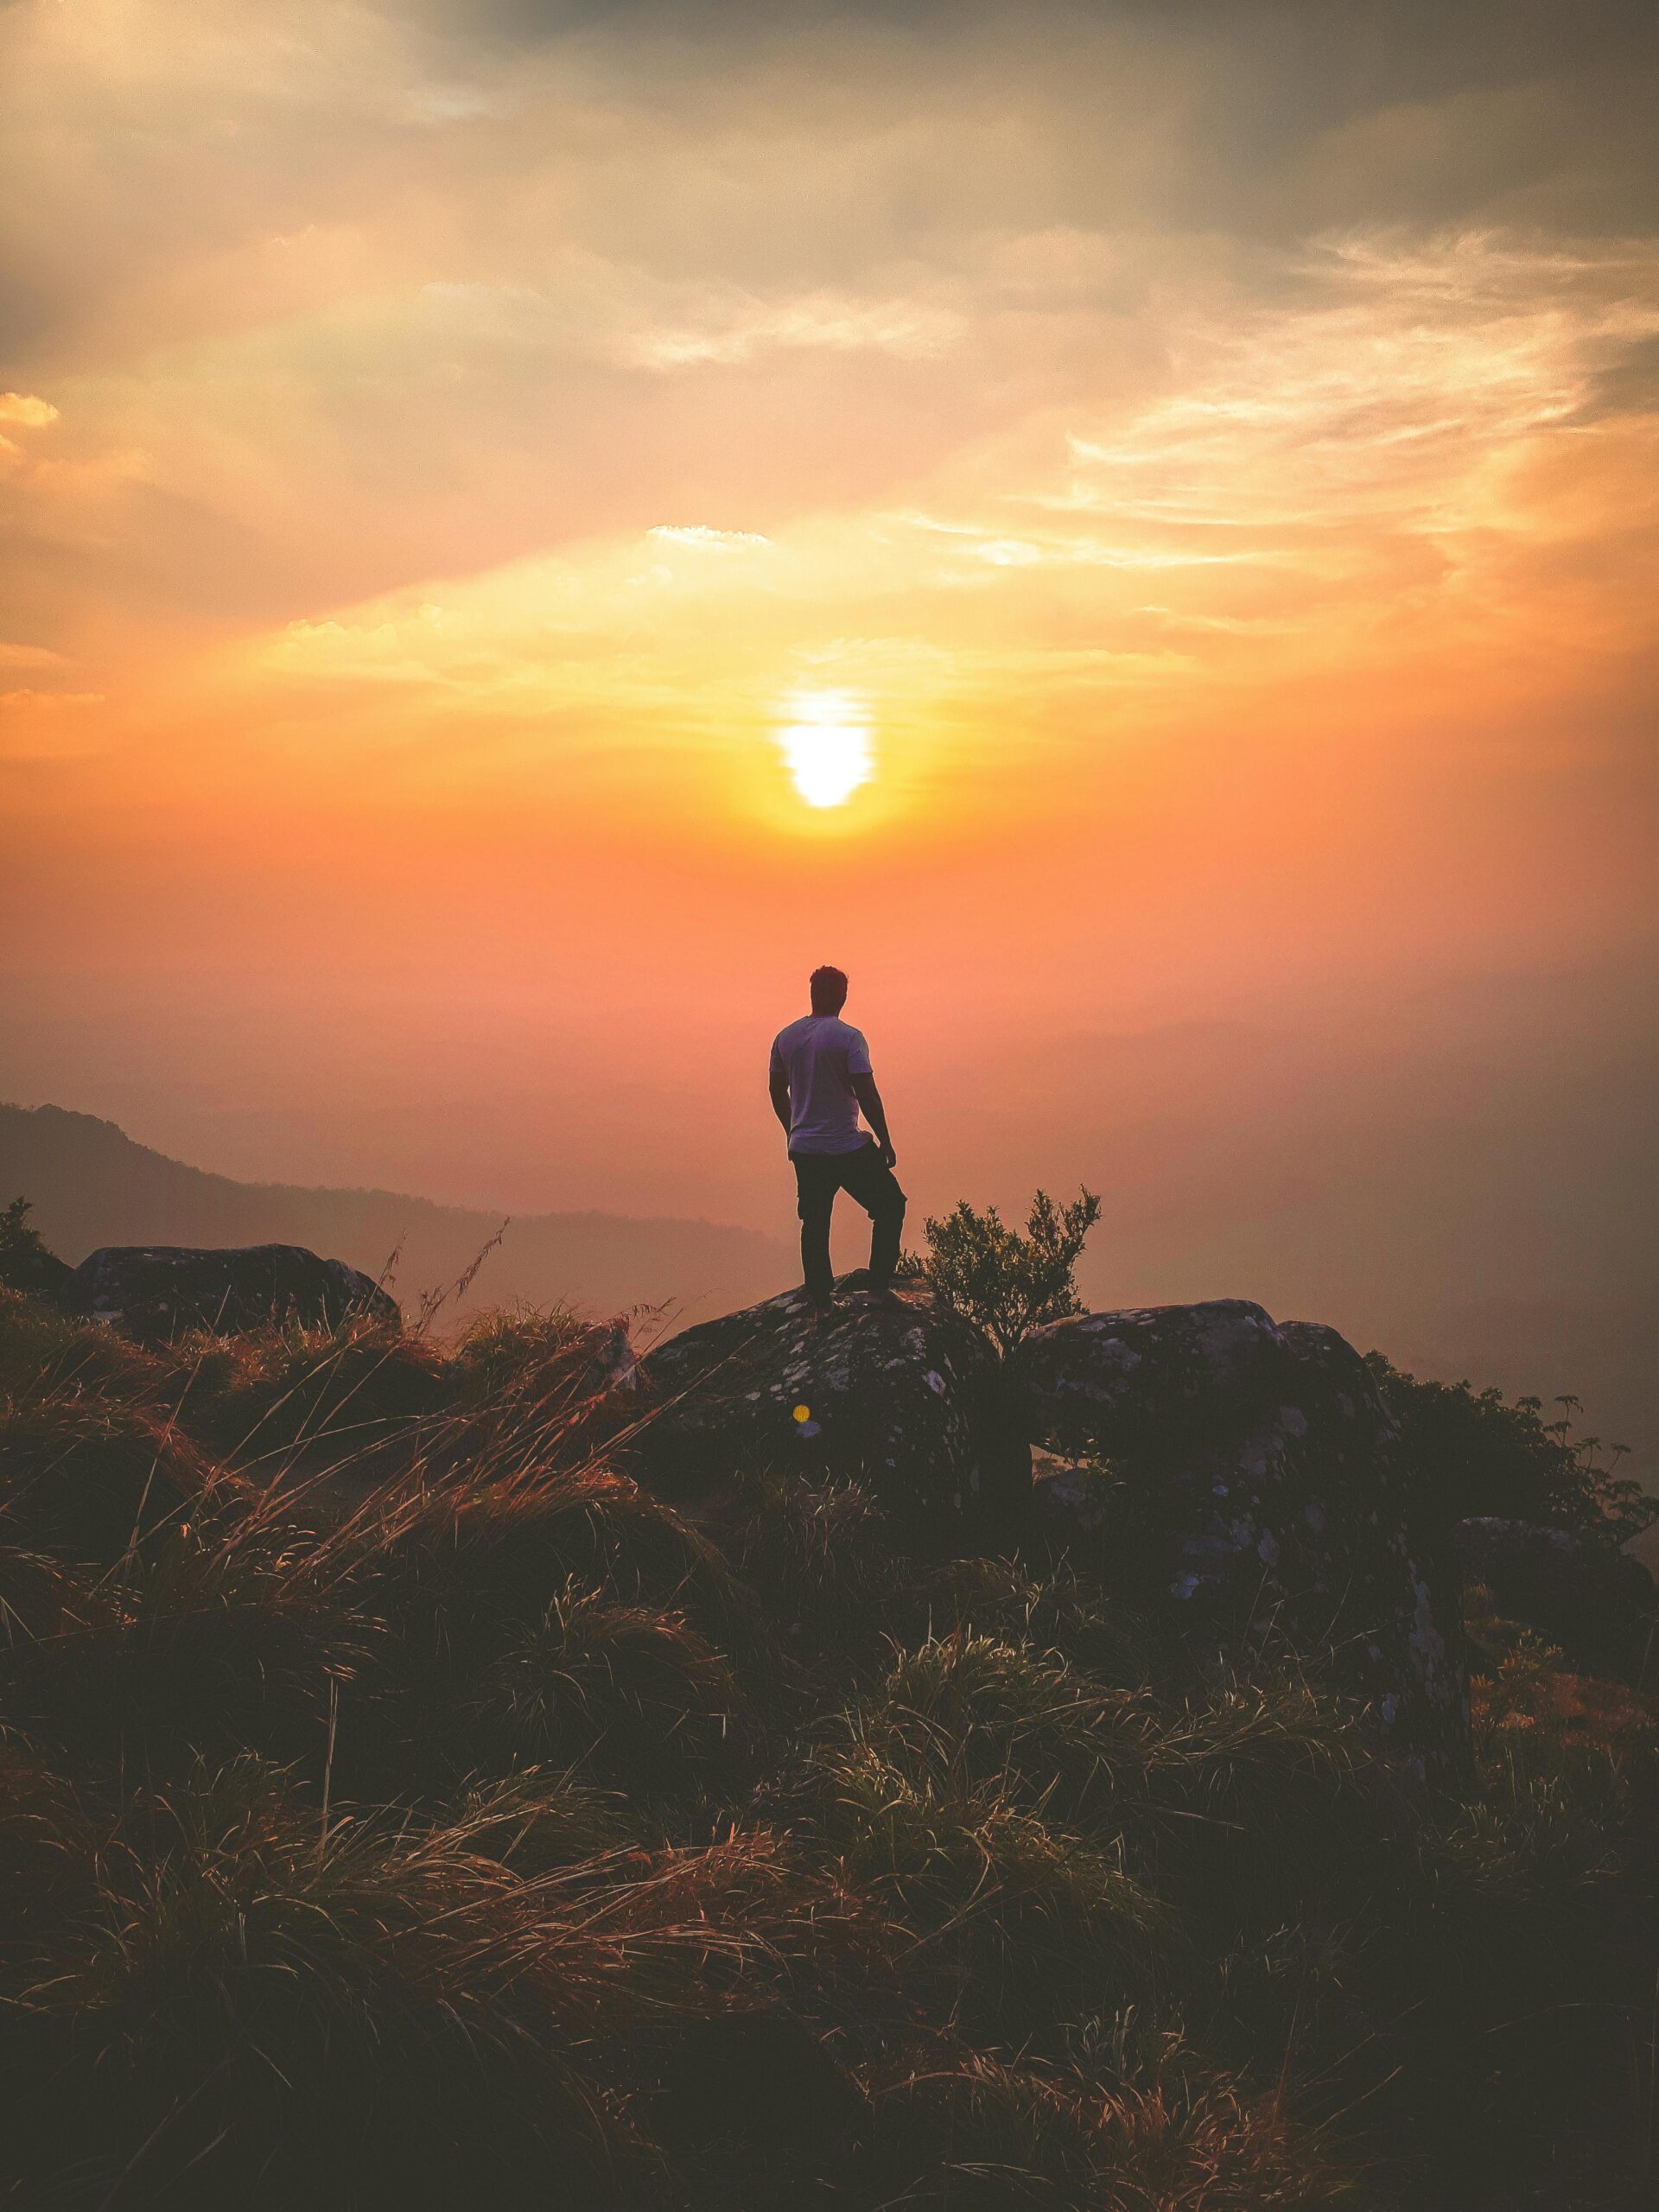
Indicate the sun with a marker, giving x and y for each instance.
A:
(826, 747)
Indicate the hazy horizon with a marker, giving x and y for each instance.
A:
(1463, 1178)
(508, 1131)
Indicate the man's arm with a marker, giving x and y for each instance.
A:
(869, 1100)
(778, 1088)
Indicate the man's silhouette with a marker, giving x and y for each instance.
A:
(820, 1079)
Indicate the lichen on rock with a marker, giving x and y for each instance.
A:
(158, 1292)
(1243, 1473)
(892, 1391)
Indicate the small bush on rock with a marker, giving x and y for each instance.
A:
(1006, 1283)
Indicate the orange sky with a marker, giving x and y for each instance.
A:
(1208, 448)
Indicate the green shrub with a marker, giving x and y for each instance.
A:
(25, 1262)
(1467, 1452)
(1005, 1283)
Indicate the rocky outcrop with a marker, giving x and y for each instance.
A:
(1236, 1474)
(1599, 1604)
(1241, 1471)
(1136, 1376)
(890, 1390)
(157, 1292)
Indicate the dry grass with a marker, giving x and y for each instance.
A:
(625, 1692)
(981, 2134)
(253, 2003)
(43, 1351)
(450, 1822)
(91, 1478)
(254, 1399)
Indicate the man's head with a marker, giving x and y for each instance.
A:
(828, 990)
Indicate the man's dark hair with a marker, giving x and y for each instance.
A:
(828, 988)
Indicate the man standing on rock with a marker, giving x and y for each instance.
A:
(820, 1079)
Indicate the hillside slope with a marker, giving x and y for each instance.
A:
(405, 1805)
(91, 1185)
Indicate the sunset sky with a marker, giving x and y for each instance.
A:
(1180, 476)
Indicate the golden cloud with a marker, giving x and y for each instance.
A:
(25, 410)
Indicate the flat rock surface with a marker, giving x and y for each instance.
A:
(889, 1390)
(1118, 1381)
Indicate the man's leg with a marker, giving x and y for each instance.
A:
(815, 1184)
(875, 1186)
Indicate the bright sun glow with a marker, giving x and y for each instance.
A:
(827, 746)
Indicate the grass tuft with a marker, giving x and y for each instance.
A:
(93, 1478)
(625, 1692)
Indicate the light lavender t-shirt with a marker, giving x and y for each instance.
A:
(820, 1054)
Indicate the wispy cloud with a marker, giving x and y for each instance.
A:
(25, 410)
(1393, 387)
(400, 410)
(737, 331)
(699, 534)
(1345, 467)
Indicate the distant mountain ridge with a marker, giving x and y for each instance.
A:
(90, 1184)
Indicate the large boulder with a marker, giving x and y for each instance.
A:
(890, 1390)
(1597, 1602)
(157, 1292)
(1242, 1473)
